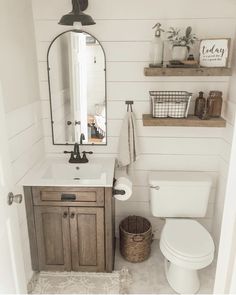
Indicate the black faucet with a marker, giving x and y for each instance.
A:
(76, 150)
(75, 156)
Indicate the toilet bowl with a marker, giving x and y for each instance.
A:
(187, 247)
(185, 243)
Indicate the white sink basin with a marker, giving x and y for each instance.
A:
(73, 171)
(99, 172)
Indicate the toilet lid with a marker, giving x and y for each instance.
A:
(187, 238)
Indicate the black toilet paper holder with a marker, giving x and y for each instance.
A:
(118, 192)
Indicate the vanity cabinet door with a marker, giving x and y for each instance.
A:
(53, 238)
(87, 239)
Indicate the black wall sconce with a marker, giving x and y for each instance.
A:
(77, 15)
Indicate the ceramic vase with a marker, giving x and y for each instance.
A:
(179, 53)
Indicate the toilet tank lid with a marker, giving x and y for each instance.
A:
(180, 178)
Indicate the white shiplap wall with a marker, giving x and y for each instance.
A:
(124, 28)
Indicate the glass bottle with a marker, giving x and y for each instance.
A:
(157, 47)
(200, 105)
(215, 102)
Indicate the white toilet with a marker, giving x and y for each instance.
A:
(185, 243)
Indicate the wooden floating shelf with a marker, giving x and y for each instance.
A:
(151, 72)
(191, 121)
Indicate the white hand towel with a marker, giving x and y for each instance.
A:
(128, 150)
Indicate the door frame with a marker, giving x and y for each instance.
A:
(226, 263)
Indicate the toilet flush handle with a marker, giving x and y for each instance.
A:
(155, 187)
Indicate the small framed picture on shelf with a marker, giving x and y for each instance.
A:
(214, 53)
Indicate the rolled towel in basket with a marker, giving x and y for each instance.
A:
(177, 109)
(123, 189)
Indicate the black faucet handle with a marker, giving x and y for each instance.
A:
(89, 153)
(67, 152)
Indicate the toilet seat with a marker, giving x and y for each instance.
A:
(187, 243)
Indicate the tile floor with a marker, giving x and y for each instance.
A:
(148, 277)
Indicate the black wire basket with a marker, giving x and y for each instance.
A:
(170, 104)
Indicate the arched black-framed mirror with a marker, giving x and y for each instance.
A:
(76, 64)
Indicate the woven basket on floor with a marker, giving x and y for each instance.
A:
(135, 238)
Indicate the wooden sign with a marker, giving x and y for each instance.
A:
(214, 52)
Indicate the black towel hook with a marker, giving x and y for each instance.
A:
(129, 105)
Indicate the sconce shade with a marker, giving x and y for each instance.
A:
(76, 15)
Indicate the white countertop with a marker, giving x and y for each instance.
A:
(52, 171)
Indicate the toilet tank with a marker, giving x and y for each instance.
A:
(179, 194)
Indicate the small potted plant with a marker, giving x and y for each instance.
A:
(181, 44)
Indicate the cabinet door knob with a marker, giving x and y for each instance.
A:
(72, 215)
(65, 215)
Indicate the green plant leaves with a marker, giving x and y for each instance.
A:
(181, 40)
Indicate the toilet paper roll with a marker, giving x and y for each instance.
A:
(124, 184)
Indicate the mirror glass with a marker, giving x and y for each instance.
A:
(77, 87)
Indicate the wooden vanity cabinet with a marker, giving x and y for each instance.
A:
(71, 229)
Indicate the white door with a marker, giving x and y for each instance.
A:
(12, 273)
